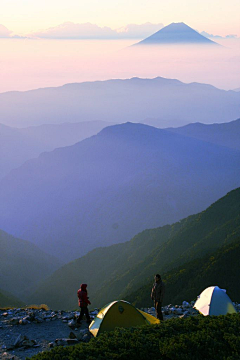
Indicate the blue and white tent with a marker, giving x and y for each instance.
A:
(214, 301)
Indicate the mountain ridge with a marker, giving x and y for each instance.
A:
(143, 98)
(18, 145)
(93, 192)
(225, 134)
(120, 270)
(189, 280)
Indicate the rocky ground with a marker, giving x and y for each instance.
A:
(26, 332)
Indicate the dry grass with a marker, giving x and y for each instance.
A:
(33, 307)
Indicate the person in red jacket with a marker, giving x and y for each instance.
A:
(83, 302)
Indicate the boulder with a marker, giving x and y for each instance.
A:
(29, 343)
(72, 323)
(19, 340)
(72, 335)
(14, 321)
(64, 342)
(87, 337)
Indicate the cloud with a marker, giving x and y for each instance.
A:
(211, 36)
(231, 36)
(4, 32)
(69, 30)
(8, 34)
(139, 31)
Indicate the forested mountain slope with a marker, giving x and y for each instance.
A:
(117, 271)
(186, 282)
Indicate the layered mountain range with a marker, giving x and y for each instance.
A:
(226, 134)
(105, 189)
(18, 145)
(170, 102)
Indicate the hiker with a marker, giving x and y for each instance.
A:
(83, 303)
(157, 295)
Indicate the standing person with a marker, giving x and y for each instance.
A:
(83, 302)
(157, 294)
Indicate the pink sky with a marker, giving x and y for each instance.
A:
(28, 64)
(216, 16)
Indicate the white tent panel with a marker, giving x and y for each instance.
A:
(214, 301)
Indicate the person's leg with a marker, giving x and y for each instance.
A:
(156, 307)
(159, 311)
(87, 315)
(84, 311)
(81, 315)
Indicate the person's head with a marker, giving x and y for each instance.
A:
(157, 277)
(84, 287)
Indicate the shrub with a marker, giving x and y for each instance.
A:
(198, 337)
(37, 307)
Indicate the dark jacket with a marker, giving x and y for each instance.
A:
(158, 291)
(82, 296)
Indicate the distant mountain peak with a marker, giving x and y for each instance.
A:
(176, 33)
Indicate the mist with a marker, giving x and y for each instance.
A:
(28, 64)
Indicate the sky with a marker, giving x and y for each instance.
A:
(26, 16)
(44, 43)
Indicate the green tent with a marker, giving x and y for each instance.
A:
(119, 313)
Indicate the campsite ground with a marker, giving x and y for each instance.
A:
(27, 332)
(43, 333)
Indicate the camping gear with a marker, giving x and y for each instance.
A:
(119, 313)
(214, 301)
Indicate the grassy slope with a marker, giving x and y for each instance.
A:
(117, 271)
(98, 267)
(211, 229)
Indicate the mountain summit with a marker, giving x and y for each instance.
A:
(109, 187)
(176, 33)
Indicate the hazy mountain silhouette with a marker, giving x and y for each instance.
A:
(23, 265)
(15, 148)
(227, 134)
(172, 102)
(176, 33)
(20, 144)
(107, 188)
